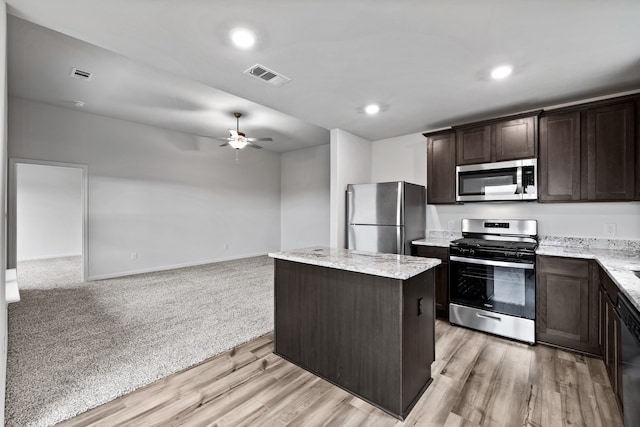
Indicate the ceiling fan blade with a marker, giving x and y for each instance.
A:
(260, 139)
(222, 139)
(234, 133)
(252, 145)
(224, 145)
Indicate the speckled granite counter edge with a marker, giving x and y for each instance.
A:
(361, 262)
(438, 238)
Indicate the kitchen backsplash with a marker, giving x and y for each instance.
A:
(443, 234)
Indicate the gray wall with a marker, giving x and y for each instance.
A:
(3, 192)
(304, 181)
(350, 164)
(173, 199)
(49, 211)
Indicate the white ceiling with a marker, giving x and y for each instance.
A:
(426, 62)
(40, 64)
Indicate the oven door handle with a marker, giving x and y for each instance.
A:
(486, 316)
(521, 265)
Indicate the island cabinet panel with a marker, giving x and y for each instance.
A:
(371, 335)
(611, 152)
(473, 145)
(566, 304)
(516, 139)
(441, 168)
(441, 276)
(418, 336)
(559, 163)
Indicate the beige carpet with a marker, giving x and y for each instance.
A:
(75, 345)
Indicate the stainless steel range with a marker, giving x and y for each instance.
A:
(492, 277)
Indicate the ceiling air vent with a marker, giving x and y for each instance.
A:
(80, 74)
(263, 73)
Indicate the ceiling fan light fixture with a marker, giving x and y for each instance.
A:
(372, 109)
(501, 72)
(238, 143)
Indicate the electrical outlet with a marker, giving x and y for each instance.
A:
(610, 230)
(450, 225)
(134, 255)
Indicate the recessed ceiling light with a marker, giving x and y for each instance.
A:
(501, 72)
(242, 38)
(78, 104)
(372, 109)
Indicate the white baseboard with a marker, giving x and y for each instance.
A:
(35, 258)
(170, 267)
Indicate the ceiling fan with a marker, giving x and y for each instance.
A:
(238, 139)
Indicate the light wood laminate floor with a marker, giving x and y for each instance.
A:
(479, 380)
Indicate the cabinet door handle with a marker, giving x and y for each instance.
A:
(486, 316)
(419, 306)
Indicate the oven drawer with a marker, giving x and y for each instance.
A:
(494, 323)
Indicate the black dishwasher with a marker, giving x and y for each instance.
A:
(630, 340)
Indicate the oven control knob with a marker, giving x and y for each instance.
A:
(471, 251)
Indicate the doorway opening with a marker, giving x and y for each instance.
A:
(48, 215)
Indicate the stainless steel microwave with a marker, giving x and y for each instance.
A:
(498, 181)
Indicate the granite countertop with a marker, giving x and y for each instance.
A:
(618, 263)
(385, 265)
(435, 241)
(440, 238)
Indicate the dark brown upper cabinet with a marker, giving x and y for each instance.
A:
(473, 145)
(611, 152)
(559, 158)
(589, 152)
(441, 167)
(508, 138)
(516, 139)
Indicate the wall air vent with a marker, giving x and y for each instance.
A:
(263, 73)
(80, 74)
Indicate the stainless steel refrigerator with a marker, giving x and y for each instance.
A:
(385, 217)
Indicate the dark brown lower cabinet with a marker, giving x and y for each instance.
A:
(441, 276)
(610, 324)
(373, 336)
(576, 309)
(567, 303)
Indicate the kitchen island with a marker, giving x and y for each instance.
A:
(363, 321)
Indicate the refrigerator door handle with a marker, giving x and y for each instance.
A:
(400, 240)
(349, 207)
(399, 205)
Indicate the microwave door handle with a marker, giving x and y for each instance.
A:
(519, 187)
